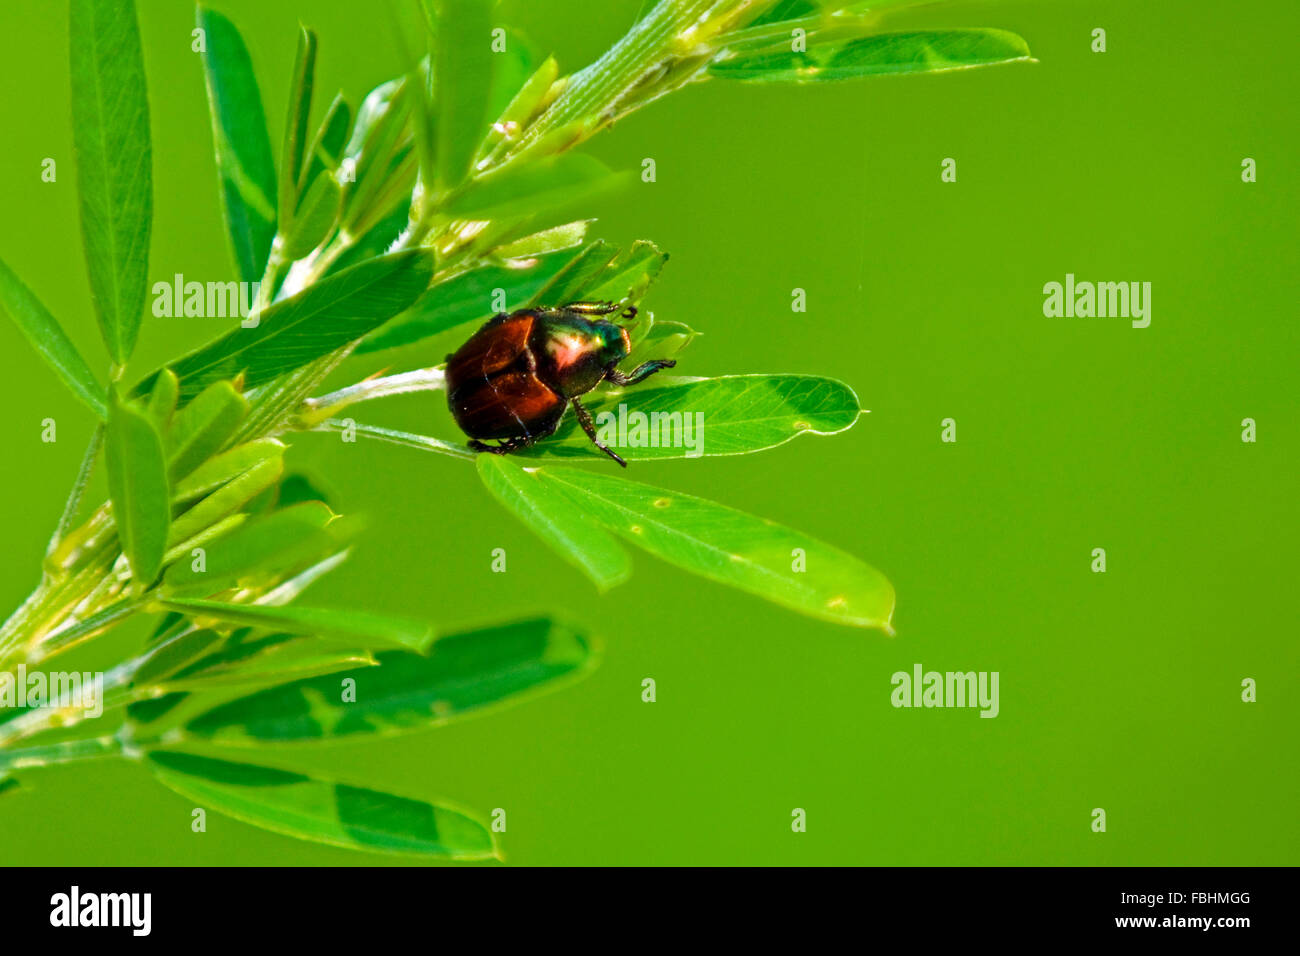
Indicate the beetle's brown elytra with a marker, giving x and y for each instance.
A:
(514, 378)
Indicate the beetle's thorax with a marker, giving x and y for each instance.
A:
(573, 354)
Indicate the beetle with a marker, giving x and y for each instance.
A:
(514, 378)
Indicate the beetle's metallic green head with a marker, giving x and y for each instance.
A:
(614, 344)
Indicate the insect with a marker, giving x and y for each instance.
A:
(513, 379)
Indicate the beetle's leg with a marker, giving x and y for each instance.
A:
(506, 447)
(584, 419)
(640, 373)
(592, 308)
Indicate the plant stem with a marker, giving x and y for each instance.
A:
(419, 380)
(66, 752)
(78, 490)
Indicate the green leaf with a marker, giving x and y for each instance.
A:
(465, 299)
(326, 150)
(315, 218)
(463, 675)
(295, 125)
(137, 485)
(601, 273)
(171, 656)
(110, 133)
(689, 418)
(323, 317)
(162, 400)
(357, 628)
(556, 239)
(526, 103)
(659, 340)
(225, 501)
(203, 427)
(246, 662)
(259, 551)
(41, 329)
(371, 154)
(557, 521)
(628, 276)
(936, 51)
(323, 811)
(243, 147)
(463, 69)
(520, 188)
(515, 68)
(732, 548)
(226, 467)
(299, 487)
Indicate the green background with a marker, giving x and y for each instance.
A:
(1118, 690)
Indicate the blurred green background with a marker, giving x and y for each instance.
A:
(1118, 690)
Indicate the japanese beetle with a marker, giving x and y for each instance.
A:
(513, 379)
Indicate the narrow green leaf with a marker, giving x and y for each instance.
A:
(526, 103)
(462, 675)
(465, 299)
(162, 400)
(259, 551)
(582, 271)
(72, 506)
(299, 487)
(246, 661)
(625, 279)
(323, 811)
(169, 657)
(733, 548)
(295, 125)
(936, 51)
(178, 546)
(690, 418)
(243, 146)
(326, 150)
(659, 340)
(357, 628)
(317, 213)
(137, 484)
(203, 427)
(463, 69)
(225, 501)
(530, 187)
(555, 519)
(110, 133)
(371, 154)
(556, 239)
(514, 68)
(601, 273)
(41, 329)
(226, 467)
(323, 317)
